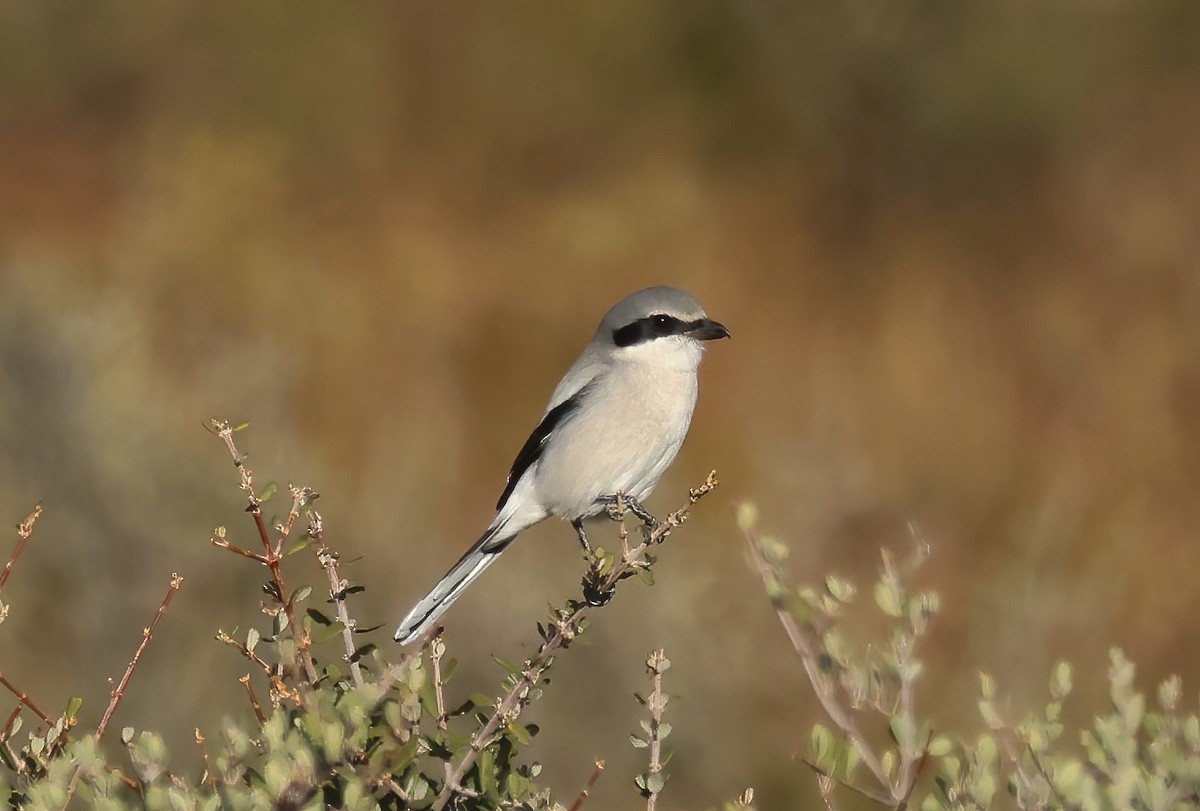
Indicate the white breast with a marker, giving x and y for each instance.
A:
(624, 437)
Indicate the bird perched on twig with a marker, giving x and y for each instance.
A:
(612, 426)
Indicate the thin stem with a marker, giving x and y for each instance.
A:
(258, 713)
(273, 554)
(656, 663)
(337, 592)
(24, 530)
(436, 651)
(249, 654)
(303, 641)
(147, 634)
(209, 776)
(805, 647)
(219, 540)
(587, 787)
(561, 633)
(828, 780)
(24, 698)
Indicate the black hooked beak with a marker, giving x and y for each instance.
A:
(705, 329)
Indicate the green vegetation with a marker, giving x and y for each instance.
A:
(343, 725)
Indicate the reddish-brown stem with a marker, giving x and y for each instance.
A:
(274, 554)
(258, 713)
(24, 530)
(24, 698)
(147, 634)
(249, 654)
(224, 544)
(210, 777)
(273, 562)
(587, 787)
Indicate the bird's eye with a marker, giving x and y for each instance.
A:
(661, 320)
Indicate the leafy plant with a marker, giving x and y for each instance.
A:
(881, 748)
(342, 725)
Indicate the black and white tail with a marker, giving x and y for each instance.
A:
(426, 612)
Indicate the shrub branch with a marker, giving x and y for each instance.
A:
(147, 633)
(273, 556)
(600, 581)
(24, 530)
(337, 593)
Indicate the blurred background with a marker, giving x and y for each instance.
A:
(957, 245)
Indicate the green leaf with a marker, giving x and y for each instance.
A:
(327, 634)
(318, 617)
(301, 543)
(520, 733)
(841, 590)
(269, 489)
(655, 782)
(507, 665)
(822, 745)
(940, 746)
(1060, 682)
(747, 515)
(887, 599)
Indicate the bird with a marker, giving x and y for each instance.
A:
(612, 427)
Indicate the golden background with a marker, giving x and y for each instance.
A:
(958, 246)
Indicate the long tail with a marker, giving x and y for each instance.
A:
(426, 612)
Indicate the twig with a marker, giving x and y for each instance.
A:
(436, 651)
(6, 731)
(24, 698)
(828, 780)
(258, 713)
(391, 785)
(209, 776)
(147, 634)
(804, 644)
(273, 556)
(587, 787)
(218, 539)
(656, 663)
(303, 642)
(565, 628)
(337, 592)
(24, 530)
(249, 654)
(14, 757)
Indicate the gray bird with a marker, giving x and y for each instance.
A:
(613, 425)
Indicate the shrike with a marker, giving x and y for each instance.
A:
(613, 425)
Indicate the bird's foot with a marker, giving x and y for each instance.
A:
(619, 503)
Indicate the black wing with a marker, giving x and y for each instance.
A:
(532, 449)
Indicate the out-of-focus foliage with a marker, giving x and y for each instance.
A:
(884, 748)
(342, 729)
(956, 244)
